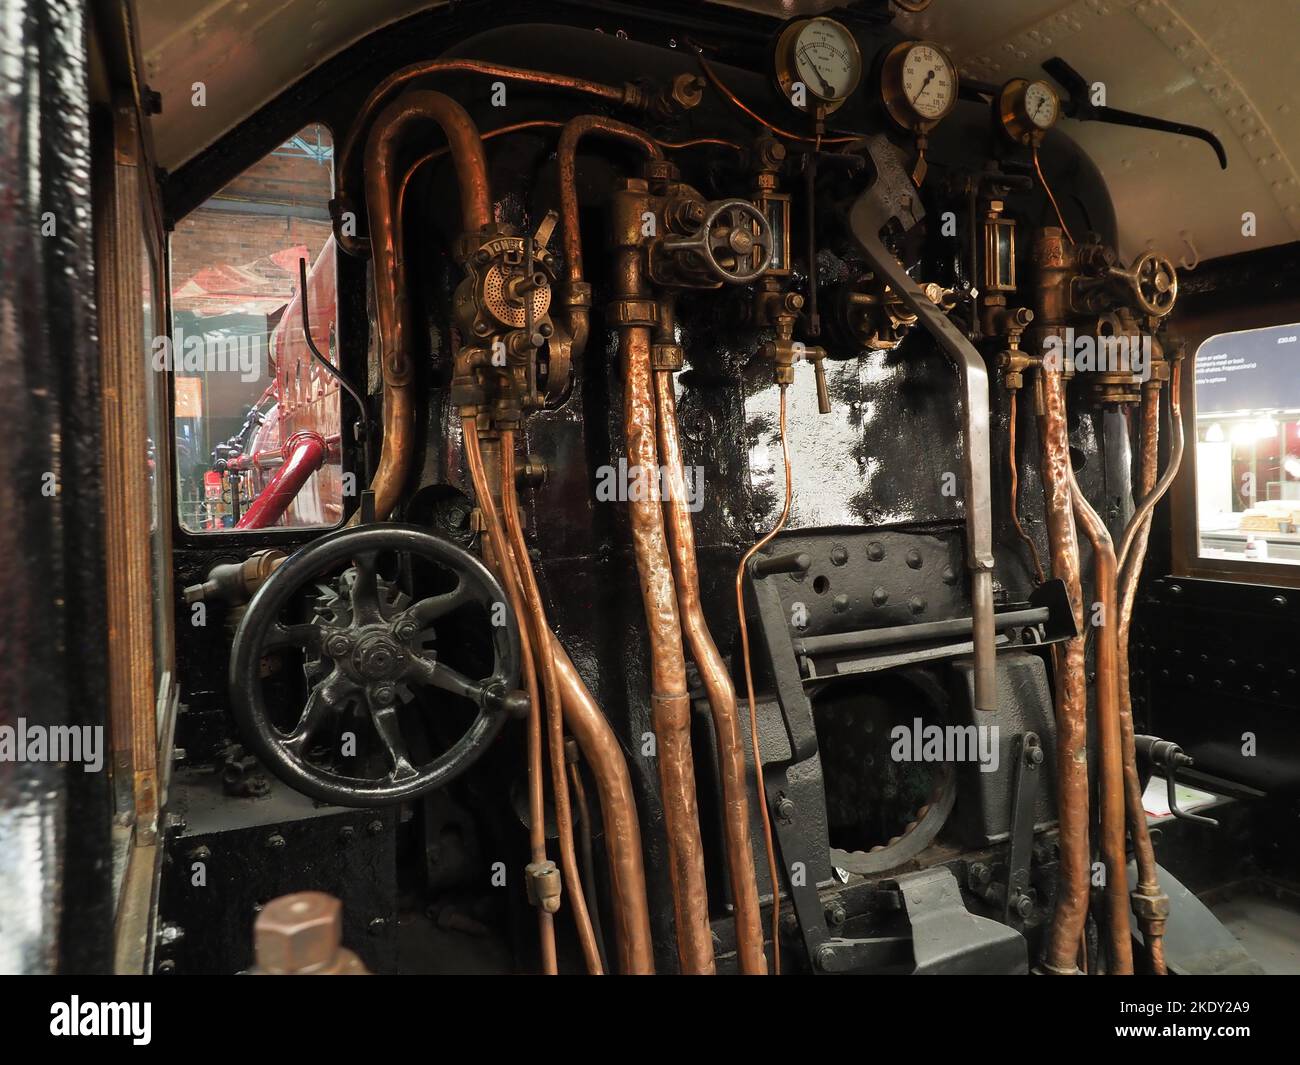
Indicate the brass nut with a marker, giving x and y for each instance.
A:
(1150, 907)
(666, 356)
(544, 885)
(298, 933)
(632, 312)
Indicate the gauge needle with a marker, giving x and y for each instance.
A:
(924, 85)
(826, 85)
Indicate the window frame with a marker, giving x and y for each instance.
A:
(240, 540)
(1186, 558)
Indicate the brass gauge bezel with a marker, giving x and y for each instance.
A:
(1013, 111)
(894, 97)
(787, 70)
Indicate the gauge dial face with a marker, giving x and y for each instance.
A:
(918, 84)
(817, 63)
(826, 59)
(1042, 105)
(929, 81)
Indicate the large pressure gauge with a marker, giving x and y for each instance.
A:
(818, 64)
(1028, 109)
(918, 85)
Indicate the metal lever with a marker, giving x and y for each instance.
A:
(893, 199)
(1169, 757)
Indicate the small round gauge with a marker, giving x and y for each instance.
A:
(818, 64)
(918, 84)
(1028, 109)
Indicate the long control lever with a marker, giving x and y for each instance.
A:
(892, 200)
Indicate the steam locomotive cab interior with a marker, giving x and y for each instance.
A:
(685, 488)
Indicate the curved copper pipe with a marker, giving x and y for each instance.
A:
(618, 812)
(717, 682)
(392, 310)
(670, 704)
(1109, 737)
(542, 642)
(499, 558)
(566, 155)
(749, 691)
(343, 169)
(1130, 573)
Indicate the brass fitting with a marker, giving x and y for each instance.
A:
(302, 935)
(544, 885)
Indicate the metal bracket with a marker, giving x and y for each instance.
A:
(947, 939)
(1029, 756)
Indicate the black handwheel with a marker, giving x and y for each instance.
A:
(366, 648)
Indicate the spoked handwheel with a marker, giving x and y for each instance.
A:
(367, 651)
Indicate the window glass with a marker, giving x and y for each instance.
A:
(256, 417)
(1248, 445)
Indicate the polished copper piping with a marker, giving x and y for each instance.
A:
(601, 750)
(498, 556)
(749, 689)
(670, 703)
(1015, 492)
(566, 154)
(391, 301)
(717, 683)
(1109, 736)
(613, 94)
(1071, 912)
(542, 643)
(1148, 881)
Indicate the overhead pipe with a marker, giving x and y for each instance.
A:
(627, 95)
(392, 302)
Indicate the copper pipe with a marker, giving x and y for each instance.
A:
(582, 811)
(1015, 493)
(392, 309)
(741, 106)
(717, 682)
(1109, 737)
(626, 95)
(499, 558)
(1148, 881)
(542, 641)
(566, 154)
(670, 705)
(1071, 914)
(576, 296)
(749, 690)
(618, 812)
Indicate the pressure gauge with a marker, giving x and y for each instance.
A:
(818, 64)
(918, 84)
(1028, 109)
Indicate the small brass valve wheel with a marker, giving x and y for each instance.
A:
(732, 244)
